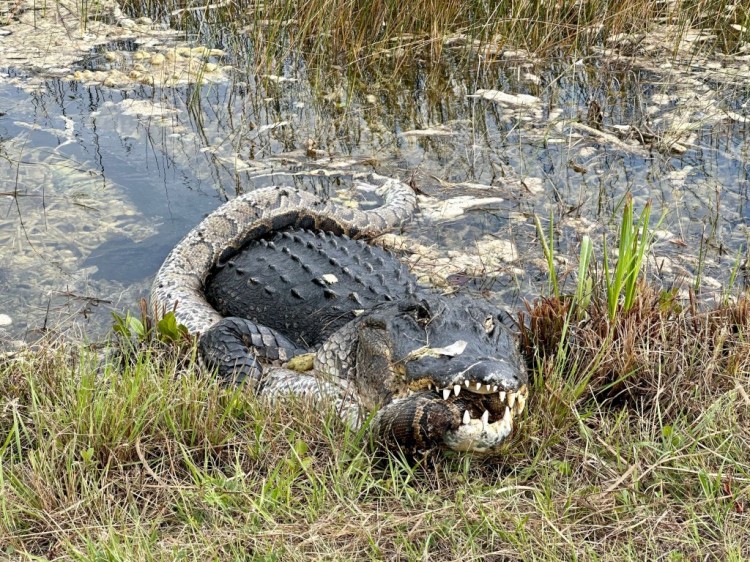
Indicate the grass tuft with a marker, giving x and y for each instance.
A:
(634, 241)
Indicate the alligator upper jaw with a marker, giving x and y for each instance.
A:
(492, 382)
(473, 387)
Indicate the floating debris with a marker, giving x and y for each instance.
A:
(454, 207)
(111, 56)
(513, 101)
(440, 131)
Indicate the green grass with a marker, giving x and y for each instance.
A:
(152, 461)
(547, 242)
(619, 283)
(634, 241)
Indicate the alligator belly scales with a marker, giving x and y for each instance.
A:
(276, 273)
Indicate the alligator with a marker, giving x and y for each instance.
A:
(278, 274)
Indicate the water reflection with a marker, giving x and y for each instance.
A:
(97, 184)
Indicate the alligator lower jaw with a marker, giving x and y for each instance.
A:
(479, 434)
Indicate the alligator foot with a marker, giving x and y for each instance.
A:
(233, 345)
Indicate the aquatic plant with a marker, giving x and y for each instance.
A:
(548, 249)
(634, 240)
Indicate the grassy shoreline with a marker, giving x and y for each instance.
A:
(635, 443)
(157, 463)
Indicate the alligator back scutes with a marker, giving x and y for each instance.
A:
(179, 283)
(307, 284)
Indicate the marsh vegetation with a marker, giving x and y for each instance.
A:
(583, 163)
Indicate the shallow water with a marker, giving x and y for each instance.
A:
(98, 183)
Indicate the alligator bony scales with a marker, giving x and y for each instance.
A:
(277, 273)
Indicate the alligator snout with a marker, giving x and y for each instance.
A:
(484, 375)
(484, 397)
(490, 374)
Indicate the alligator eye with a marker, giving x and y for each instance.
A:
(489, 325)
(422, 313)
(419, 311)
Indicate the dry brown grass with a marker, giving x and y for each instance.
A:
(156, 463)
(659, 352)
(370, 36)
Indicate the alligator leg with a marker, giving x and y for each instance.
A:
(415, 423)
(233, 345)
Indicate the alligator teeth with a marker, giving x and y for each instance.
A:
(446, 393)
(456, 389)
(512, 398)
(480, 387)
(485, 419)
(429, 386)
(502, 396)
(467, 417)
(521, 400)
(506, 423)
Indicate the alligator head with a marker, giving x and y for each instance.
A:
(443, 371)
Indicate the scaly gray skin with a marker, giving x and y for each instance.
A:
(251, 216)
(409, 358)
(441, 371)
(306, 285)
